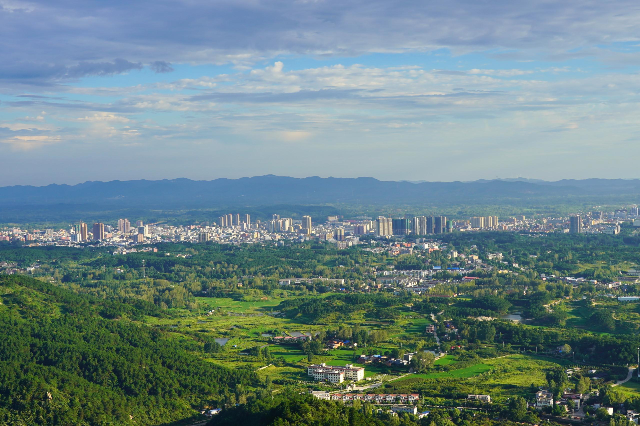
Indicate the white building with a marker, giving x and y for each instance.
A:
(335, 374)
(544, 399)
(411, 409)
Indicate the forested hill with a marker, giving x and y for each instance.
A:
(68, 359)
(270, 190)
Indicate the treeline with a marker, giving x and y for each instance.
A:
(62, 362)
(293, 409)
(557, 253)
(582, 346)
(315, 309)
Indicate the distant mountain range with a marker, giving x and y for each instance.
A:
(271, 190)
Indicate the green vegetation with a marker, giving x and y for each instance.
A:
(65, 360)
(89, 340)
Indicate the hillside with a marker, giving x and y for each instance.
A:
(74, 359)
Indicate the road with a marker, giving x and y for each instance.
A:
(629, 374)
(435, 334)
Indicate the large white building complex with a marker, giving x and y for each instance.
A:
(322, 371)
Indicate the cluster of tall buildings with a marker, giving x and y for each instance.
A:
(82, 232)
(419, 225)
(100, 231)
(124, 226)
(484, 222)
(278, 224)
(230, 220)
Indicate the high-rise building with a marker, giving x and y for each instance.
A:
(82, 231)
(339, 234)
(431, 225)
(488, 222)
(422, 225)
(306, 224)
(400, 226)
(98, 231)
(203, 237)
(276, 217)
(237, 219)
(449, 226)
(229, 220)
(575, 224)
(143, 230)
(440, 224)
(247, 220)
(384, 226)
(361, 229)
(419, 225)
(139, 223)
(124, 226)
(477, 222)
(222, 221)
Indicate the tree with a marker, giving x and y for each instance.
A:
(602, 414)
(583, 385)
(422, 361)
(516, 409)
(603, 320)
(558, 410)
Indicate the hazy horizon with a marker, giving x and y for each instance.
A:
(508, 179)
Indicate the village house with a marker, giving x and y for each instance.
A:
(411, 409)
(544, 398)
(481, 398)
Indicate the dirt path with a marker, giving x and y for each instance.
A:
(629, 374)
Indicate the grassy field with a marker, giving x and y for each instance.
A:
(231, 305)
(514, 374)
(631, 388)
(446, 360)
(499, 377)
(462, 373)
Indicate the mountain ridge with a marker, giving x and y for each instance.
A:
(272, 189)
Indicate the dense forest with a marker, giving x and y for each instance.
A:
(73, 359)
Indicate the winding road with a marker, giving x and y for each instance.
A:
(629, 375)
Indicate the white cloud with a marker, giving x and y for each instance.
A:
(501, 73)
(293, 135)
(104, 117)
(30, 142)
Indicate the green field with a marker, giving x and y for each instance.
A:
(631, 388)
(462, 373)
(446, 360)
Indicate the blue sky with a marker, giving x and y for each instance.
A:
(404, 90)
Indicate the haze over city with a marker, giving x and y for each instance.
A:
(393, 90)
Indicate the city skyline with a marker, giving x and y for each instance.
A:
(396, 91)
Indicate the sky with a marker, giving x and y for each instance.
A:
(396, 90)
